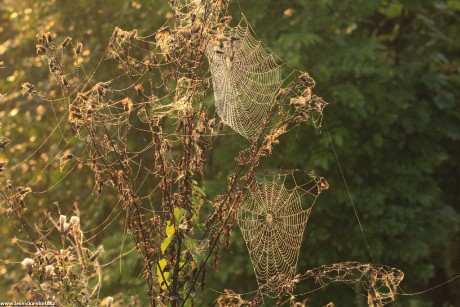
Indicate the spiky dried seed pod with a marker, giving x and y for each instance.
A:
(280, 94)
(2, 165)
(116, 32)
(212, 123)
(298, 102)
(127, 104)
(79, 48)
(64, 81)
(41, 50)
(3, 142)
(24, 191)
(48, 37)
(132, 35)
(66, 41)
(307, 93)
(309, 81)
(148, 65)
(40, 38)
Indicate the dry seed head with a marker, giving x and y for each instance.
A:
(49, 270)
(62, 222)
(74, 220)
(3, 142)
(309, 81)
(29, 89)
(48, 37)
(153, 56)
(79, 48)
(28, 263)
(140, 91)
(116, 32)
(27, 85)
(40, 38)
(66, 41)
(41, 50)
(109, 301)
(280, 93)
(127, 104)
(62, 219)
(133, 34)
(148, 65)
(307, 93)
(101, 88)
(298, 102)
(64, 80)
(2, 165)
(323, 184)
(212, 123)
(66, 228)
(24, 191)
(9, 186)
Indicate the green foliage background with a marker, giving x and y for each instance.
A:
(391, 73)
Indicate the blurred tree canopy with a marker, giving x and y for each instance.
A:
(391, 73)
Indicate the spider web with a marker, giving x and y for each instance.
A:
(245, 80)
(380, 281)
(273, 222)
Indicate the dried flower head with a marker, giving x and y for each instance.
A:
(79, 48)
(28, 263)
(62, 223)
(66, 41)
(2, 165)
(41, 50)
(49, 270)
(24, 191)
(3, 142)
(74, 220)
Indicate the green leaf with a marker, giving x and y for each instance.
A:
(178, 214)
(199, 190)
(170, 230)
(164, 245)
(164, 282)
(393, 10)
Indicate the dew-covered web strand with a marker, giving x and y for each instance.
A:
(19, 79)
(48, 136)
(40, 146)
(429, 289)
(348, 192)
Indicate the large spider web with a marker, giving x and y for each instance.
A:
(245, 80)
(273, 222)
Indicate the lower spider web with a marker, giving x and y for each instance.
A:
(272, 222)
